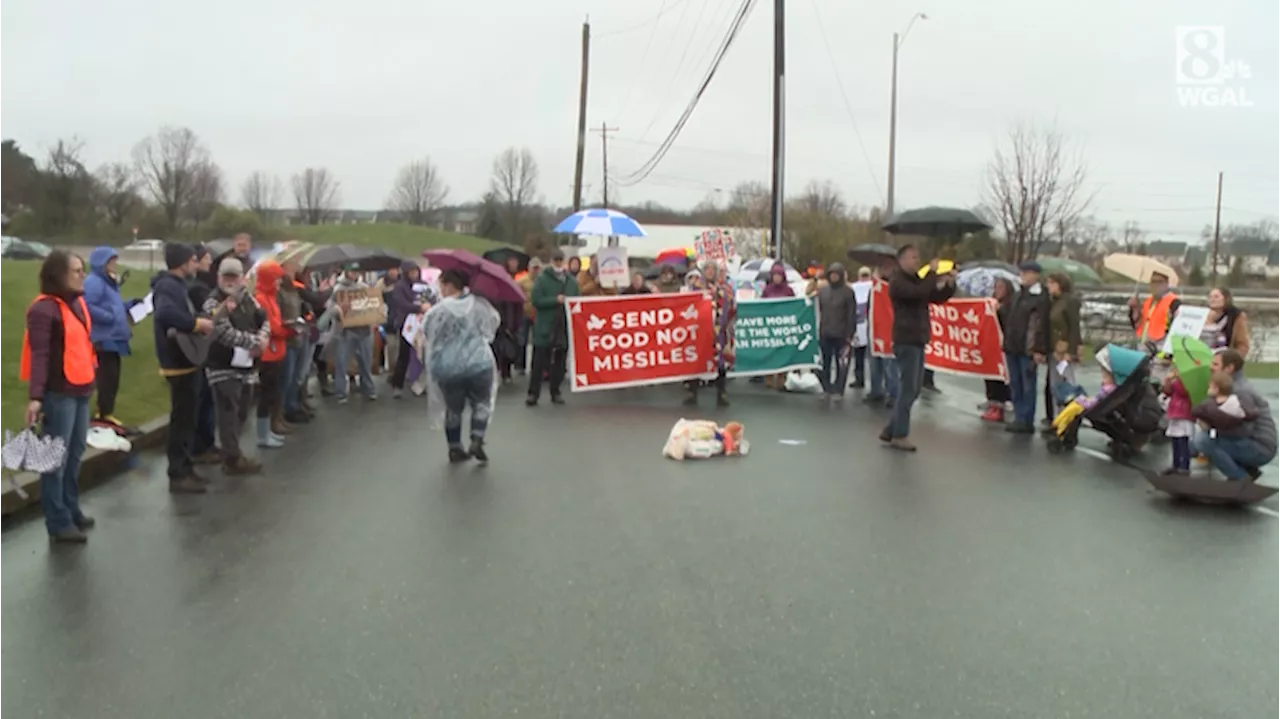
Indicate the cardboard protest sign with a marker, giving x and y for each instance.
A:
(362, 307)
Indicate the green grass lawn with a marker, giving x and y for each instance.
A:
(406, 240)
(143, 393)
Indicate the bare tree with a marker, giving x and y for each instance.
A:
(749, 205)
(1132, 236)
(117, 192)
(823, 198)
(514, 187)
(206, 192)
(419, 192)
(316, 194)
(67, 186)
(1034, 187)
(168, 163)
(261, 193)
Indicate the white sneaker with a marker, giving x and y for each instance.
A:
(397, 393)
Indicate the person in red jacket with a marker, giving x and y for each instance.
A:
(271, 364)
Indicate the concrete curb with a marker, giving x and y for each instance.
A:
(96, 467)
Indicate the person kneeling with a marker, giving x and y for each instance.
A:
(1237, 433)
(460, 366)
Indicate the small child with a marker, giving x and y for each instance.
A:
(1181, 424)
(1222, 389)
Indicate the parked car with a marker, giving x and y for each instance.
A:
(146, 245)
(1100, 314)
(18, 249)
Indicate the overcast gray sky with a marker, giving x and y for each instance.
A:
(363, 87)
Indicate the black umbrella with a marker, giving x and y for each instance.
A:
(365, 259)
(500, 255)
(935, 222)
(872, 254)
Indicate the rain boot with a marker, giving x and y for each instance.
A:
(265, 438)
(279, 427)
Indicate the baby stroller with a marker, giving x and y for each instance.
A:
(1129, 416)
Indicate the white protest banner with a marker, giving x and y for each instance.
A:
(611, 267)
(1188, 322)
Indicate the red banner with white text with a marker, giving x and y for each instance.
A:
(965, 335)
(634, 340)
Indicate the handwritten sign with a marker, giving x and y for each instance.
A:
(1188, 322)
(362, 307)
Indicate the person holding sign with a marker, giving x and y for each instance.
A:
(352, 340)
(723, 315)
(1225, 325)
(911, 296)
(1151, 322)
(550, 328)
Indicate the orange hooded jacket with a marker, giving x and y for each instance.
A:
(269, 274)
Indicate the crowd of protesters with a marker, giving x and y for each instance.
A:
(227, 348)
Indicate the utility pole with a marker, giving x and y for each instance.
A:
(604, 157)
(582, 117)
(893, 130)
(893, 113)
(1217, 227)
(779, 106)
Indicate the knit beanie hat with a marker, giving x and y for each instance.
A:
(177, 254)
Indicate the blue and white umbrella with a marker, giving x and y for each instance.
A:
(980, 281)
(602, 222)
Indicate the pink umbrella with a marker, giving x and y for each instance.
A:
(489, 280)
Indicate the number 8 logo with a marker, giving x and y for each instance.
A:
(1200, 55)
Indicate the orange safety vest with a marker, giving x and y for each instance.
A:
(78, 358)
(1154, 321)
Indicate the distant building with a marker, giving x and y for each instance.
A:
(749, 241)
(1171, 253)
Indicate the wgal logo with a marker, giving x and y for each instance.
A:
(1204, 76)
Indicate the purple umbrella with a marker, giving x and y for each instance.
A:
(489, 280)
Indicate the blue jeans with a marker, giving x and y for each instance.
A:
(476, 392)
(359, 345)
(297, 365)
(910, 361)
(1022, 386)
(884, 378)
(1232, 454)
(67, 418)
(833, 353)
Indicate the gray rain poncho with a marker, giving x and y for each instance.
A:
(459, 332)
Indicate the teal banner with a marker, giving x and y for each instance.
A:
(773, 336)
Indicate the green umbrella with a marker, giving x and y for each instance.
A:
(1081, 275)
(1192, 358)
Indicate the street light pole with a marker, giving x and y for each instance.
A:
(893, 111)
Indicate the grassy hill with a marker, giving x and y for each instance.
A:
(406, 240)
(143, 392)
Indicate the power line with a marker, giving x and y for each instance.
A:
(651, 21)
(626, 101)
(835, 70)
(652, 163)
(671, 84)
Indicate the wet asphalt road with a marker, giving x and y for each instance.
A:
(581, 575)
